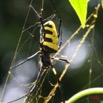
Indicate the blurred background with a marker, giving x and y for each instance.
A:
(78, 76)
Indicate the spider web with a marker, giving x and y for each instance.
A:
(24, 85)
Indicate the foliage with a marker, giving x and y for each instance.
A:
(84, 93)
(102, 3)
(80, 7)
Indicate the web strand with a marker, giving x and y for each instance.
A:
(18, 48)
(15, 55)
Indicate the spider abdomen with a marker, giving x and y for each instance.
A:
(50, 37)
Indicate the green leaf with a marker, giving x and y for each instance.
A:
(102, 3)
(80, 7)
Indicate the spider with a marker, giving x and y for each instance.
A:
(49, 44)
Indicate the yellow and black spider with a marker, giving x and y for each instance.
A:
(49, 43)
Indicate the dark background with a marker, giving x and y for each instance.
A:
(12, 17)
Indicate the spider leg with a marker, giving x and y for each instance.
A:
(38, 15)
(29, 58)
(60, 22)
(59, 83)
(34, 37)
(61, 59)
(33, 94)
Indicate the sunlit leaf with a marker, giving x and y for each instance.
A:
(80, 7)
(102, 3)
